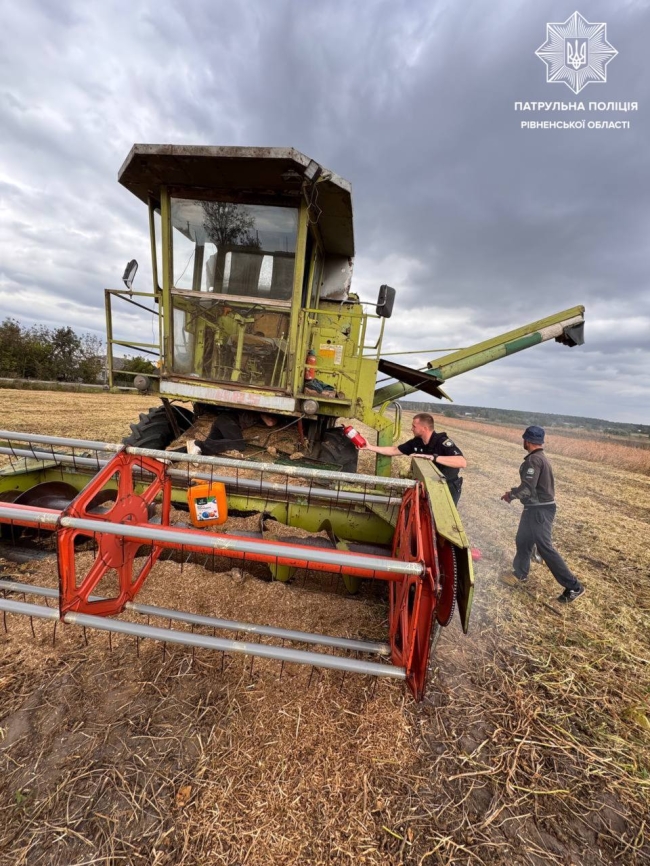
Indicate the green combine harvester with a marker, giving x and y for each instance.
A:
(263, 349)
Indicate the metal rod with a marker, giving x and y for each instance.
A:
(88, 444)
(291, 489)
(25, 515)
(177, 457)
(214, 622)
(351, 562)
(358, 564)
(54, 456)
(422, 352)
(113, 626)
(274, 468)
(235, 483)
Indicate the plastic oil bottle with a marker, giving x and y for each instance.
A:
(208, 504)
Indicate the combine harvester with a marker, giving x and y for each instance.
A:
(260, 334)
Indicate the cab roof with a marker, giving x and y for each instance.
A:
(263, 171)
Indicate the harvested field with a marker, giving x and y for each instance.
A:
(633, 454)
(533, 746)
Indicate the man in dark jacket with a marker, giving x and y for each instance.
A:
(537, 494)
(437, 447)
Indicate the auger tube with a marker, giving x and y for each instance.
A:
(442, 369)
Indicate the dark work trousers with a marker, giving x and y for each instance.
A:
(455, 486)
(536, 528)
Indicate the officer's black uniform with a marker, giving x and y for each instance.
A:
(537, 494)
(440, 446)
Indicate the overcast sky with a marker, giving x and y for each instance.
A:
(480, 225)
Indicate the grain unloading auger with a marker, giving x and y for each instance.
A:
(116, 500)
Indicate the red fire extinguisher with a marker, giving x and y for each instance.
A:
(354, 436)
(310, 365)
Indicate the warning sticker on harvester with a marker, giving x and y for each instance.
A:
(207, 508)
(330, 352)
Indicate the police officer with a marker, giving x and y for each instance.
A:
(537, 494)
(433, 446)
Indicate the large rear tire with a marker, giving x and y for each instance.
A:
(336, 448)
(154, 429)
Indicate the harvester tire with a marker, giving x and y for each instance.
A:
(336, 448)
(154, 430)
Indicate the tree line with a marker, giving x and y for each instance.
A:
(52, 354)
(59, 355)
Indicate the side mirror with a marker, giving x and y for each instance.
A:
(385, 302)
(129, 273)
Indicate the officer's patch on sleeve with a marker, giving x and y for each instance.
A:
(448, 443)
(530, 471)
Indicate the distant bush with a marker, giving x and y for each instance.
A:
(52, 354)
(133, 365)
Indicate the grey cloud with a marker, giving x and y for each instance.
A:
(484, 225)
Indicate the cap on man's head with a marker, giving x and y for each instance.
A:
(534, 435)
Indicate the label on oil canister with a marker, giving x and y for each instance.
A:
(207, 508)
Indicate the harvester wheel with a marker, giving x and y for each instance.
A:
(336, 448)
(154, 429)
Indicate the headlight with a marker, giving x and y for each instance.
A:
(310, 407)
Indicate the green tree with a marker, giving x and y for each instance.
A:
(11, 347)
(91, 360)
(38, 350)
(40, 353)
(66, 347)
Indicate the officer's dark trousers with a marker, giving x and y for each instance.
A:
(536, 528)
(455, 486)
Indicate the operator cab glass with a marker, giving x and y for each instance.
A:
(233, 273)
(234, 249)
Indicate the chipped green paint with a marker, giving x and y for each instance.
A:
(449, 525)
(523, 343)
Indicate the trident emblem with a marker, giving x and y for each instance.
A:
(576, 55)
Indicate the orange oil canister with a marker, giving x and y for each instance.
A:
(208, 504)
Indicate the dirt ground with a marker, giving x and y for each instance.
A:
(532, 747)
